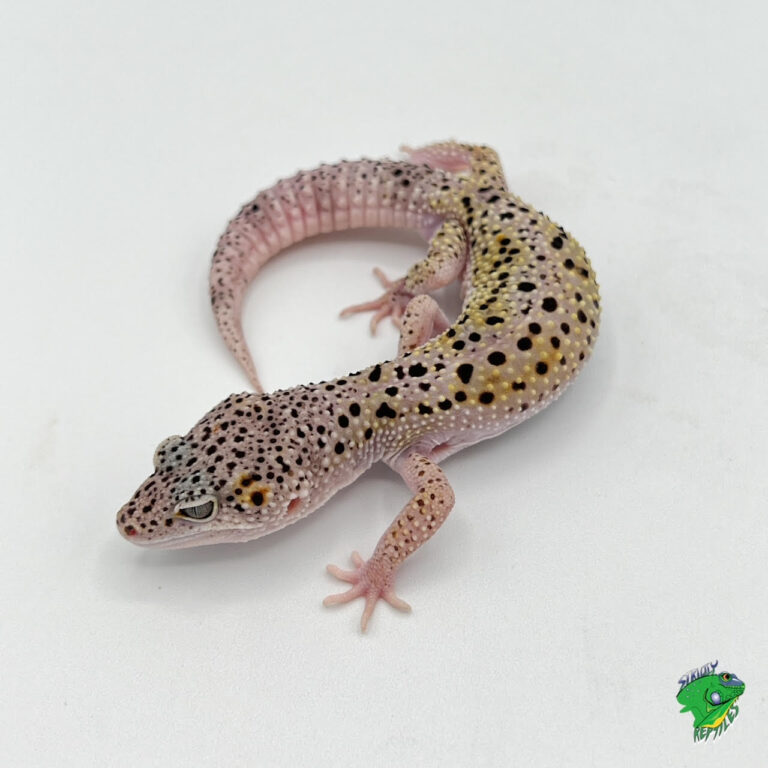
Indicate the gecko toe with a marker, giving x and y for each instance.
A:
(367, 583)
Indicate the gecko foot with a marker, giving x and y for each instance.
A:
(368, 583)
(391, 303)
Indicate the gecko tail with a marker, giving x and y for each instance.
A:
(228, 288)
(330, 198)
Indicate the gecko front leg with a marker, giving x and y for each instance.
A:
(374, 579)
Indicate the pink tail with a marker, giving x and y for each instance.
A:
(330, 198)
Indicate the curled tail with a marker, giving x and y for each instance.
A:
(331, 198)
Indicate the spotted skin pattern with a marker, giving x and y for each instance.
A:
(529, 319)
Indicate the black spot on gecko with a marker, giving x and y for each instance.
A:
(384, 411)
(497, 358)
(418, 369)
(549, 304)
(464, 372)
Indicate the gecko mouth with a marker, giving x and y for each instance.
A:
(197, 539)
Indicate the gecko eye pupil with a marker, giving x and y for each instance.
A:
(202, 510)
(726, 676)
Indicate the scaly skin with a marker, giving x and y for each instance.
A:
(258, 462)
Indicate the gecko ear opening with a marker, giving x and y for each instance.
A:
(198, 511)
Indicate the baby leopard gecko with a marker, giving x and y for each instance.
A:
(529, 319)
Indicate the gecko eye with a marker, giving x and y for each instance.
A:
(715, 697)
(726, 675)
(202, 509)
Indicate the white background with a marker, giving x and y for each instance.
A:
(595, 553)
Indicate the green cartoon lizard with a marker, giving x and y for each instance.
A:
(710, 697)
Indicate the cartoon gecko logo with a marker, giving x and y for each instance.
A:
(712, 698)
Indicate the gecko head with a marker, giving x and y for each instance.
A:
(238, 474)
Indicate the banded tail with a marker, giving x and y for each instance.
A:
(331, 198)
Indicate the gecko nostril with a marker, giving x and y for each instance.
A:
(129, 530)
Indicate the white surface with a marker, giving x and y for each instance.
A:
(595, 554)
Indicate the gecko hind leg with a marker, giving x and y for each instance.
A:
(420, 518)
(422, 320)
(391, 303)
(442, 265)
(461, 159)
(446, 155)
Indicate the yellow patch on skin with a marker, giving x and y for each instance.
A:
(252, 493)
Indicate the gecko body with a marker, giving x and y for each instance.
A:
(529, 319)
